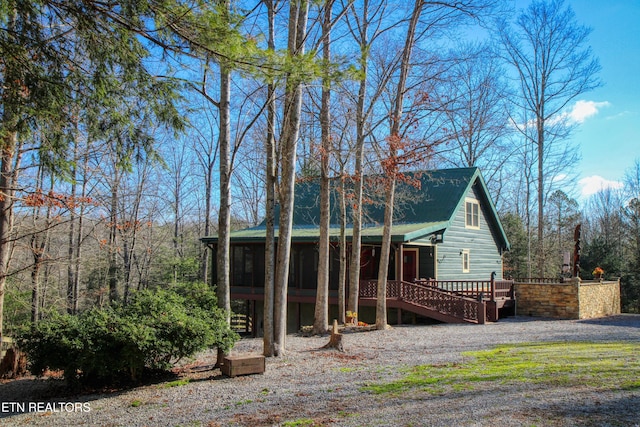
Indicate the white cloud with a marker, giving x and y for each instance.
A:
(560, 177)
(582, 110)
(592, 184)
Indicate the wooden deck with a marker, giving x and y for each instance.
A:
(459, 301)
(447, 301)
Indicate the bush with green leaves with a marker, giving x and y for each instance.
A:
(153, 331)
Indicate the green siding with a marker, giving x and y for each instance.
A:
(482, 245)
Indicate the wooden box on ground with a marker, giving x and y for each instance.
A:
(243, 365)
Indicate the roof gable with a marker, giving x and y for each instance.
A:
(434, 199)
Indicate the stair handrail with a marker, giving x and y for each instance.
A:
(442, 301)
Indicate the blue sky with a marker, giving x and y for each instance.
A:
(609, 117)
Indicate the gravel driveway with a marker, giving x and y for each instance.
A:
(324, 386)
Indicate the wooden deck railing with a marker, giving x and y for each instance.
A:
(476, 289)
(540, 280)
(468, 288)
(503, 289)
(430, 297)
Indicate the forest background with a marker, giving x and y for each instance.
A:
(115, 118)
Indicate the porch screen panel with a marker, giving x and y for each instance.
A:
(427, 263)
(258, 262)
(308, 272)
(334, 268)
(238, 266)
(247, 266)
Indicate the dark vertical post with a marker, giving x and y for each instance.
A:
(493, 286)
(482, 313)
(400, 263)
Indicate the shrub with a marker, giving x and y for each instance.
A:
(154, 331)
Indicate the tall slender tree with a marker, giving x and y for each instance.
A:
(391, 166)
(553, 63)
(366, 26)
(297, 30)
(270, 201)
(223, 285)
(321, 318)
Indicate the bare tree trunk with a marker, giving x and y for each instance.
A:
(38, 245)
(207, 153)
(396, 114)
(113, 235)
(270, 246)
(224, 213)
(8, 175)
(35, 279)
(176, 220)
(342, 276)
(541, 248)
(71, 280)
(383, 269)
(223, 253)
(204, 262)
(130, 233)
(298, 12)
(6, 212)
(356, 241)
(79, 239)
(321, 318)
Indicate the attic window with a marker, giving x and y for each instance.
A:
(472, 212)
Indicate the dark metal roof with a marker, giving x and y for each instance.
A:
(426, 203)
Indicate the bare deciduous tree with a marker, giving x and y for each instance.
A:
(297, 30)
(390, 164)
(321, 317)
(553, 63)
(268, 342)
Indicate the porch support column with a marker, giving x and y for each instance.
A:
(400, 262)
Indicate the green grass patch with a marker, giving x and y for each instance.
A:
(306, 422)
(606, 366)
(176, 383)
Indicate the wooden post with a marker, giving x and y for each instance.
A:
(399, 262)
(482, 313)
(493, 286)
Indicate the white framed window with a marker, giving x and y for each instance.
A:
(472, 214)
(466, 261)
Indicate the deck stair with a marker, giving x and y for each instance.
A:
(446, 301)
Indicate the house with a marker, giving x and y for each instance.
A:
(445, 229)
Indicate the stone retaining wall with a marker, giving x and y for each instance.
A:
(575, 299)
(599, 299)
